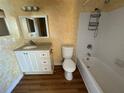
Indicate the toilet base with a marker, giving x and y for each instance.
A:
(68, 75)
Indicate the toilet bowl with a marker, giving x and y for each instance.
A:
(69, 67)
(68, 64)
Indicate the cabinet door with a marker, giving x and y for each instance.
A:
(34, 65)
(26, 61)
(34, 61)
(22, 60)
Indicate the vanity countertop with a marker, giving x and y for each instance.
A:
(43, 46)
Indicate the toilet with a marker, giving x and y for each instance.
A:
(68, 64)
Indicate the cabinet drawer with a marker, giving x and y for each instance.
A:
(45, 54)
(45, 62)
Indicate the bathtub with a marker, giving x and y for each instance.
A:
(98, 77)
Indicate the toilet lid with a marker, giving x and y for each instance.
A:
(69, 65)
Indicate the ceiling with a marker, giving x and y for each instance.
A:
(90, 5)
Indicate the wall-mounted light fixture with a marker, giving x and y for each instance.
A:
(107, 1)
(30, 8)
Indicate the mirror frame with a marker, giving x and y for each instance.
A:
(25, 28)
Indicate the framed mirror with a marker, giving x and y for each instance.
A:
(3, 24)
(36, 26)
(3, 28)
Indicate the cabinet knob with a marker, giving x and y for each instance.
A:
(45, 68)
(44, 62)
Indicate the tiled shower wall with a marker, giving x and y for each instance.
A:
(85, 37)
(108, 46)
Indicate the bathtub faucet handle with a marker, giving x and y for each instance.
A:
(89, 46)
(89, 54)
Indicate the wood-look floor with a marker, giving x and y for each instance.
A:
(54, 83)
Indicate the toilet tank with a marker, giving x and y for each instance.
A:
(67, 51)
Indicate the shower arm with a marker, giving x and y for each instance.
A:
(85, 2)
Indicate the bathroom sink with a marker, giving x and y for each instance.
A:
(30, 47)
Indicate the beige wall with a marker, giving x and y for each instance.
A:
(9, 70)
(62, 20)
(90, 5)
(114, 4)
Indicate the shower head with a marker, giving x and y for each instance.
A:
(97, 9)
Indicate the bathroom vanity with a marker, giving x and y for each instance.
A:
(35, 59)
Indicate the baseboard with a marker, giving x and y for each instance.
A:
(57, 64)
(14, 83)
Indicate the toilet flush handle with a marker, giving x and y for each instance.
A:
(51, 51)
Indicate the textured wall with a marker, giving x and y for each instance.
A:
(114, 4)
(62, 20)
(9, 70)
(90, 5)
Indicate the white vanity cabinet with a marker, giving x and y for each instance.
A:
(35, 62)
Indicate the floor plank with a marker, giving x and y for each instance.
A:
(55, 83)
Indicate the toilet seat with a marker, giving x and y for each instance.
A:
(69, 65)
